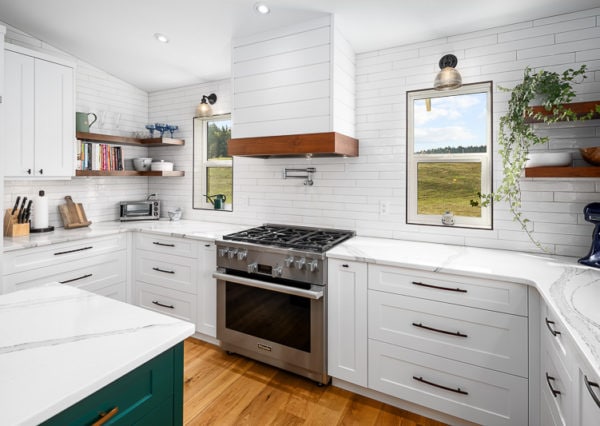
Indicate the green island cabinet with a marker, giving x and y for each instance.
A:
(152, 394)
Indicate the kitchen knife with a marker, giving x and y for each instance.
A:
(16, 205)
(21, 210)
(27, 213)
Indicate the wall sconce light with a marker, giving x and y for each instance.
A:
(448, 78)
(204, 109)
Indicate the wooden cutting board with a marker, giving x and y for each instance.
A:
(73, 214)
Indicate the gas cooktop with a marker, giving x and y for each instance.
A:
(295, 237)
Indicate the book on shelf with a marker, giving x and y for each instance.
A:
(99, 156)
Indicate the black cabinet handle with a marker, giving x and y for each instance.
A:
(548, 380)
(589, 385)
(460, 290)
(163, 244)
(73, 251)
(554, 332)
(75, 279)
(163, 270)
(345, 265)
(41, 171)
(28, 171)
(457, 390)
(206, 245)
(156, 302)
(437, 330)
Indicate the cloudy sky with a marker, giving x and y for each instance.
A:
(452, 121)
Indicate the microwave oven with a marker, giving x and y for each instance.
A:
(139, 210)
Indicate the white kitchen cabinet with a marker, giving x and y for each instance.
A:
(347, 321)
(174, 276)
(96, 264)
(206, 322)
(39, 113)
(587, 407)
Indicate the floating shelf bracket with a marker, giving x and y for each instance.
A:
(294, 174)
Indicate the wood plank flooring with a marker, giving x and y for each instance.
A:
(222, 389)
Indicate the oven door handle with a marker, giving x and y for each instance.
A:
(307, 294)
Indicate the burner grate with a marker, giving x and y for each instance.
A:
(300, 238)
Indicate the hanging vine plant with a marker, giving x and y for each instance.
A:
(516, 135)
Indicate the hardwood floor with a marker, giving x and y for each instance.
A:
(222, 389)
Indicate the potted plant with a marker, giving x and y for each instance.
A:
(516, 135)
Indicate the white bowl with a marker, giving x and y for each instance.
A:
(548, 159)
(142, 164)
(161, 166)
(175, 215)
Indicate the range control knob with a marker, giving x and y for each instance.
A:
(232, 252)
(242, 254)
(253, 267)
(300, 263)
(277, 271)
(313, 265)
(289, 261)
(223, 252)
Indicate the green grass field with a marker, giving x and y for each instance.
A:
(220, 181)
(448, 186)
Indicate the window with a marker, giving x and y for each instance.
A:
(449, 156)
(213, 169)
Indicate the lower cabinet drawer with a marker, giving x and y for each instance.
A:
(164, 300)
(141, 396)
(556, 385)
(93, 274)
(475, 336)
(468, 392)
(174, 272)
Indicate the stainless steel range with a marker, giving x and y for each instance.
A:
(272, 295)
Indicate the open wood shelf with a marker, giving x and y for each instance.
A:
(124, 140)
(579, 108)
(567, 171)
(174, 173)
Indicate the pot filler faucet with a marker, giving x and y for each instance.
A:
(592, 214)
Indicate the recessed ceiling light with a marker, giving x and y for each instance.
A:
(262, 8)
(161, 37)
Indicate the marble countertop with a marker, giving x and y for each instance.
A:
(182, 228)
(59, 344)
(570, 289)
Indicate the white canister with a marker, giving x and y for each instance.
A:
(40, 211)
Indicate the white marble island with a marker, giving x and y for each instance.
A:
(59, 344)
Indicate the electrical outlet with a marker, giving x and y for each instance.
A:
(384, 207)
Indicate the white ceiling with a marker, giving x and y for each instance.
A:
(117, 35)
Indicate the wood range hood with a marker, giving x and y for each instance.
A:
(328, 144)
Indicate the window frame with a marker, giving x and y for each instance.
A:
(200, 178)
(485, 221)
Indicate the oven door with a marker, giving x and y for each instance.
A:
(276, 324)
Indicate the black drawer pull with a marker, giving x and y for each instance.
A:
(589, 385)
(206, 245)
(437, 330)
(163, 270)
(156, 302)
(554, 391)
(106, 416)
(163, 244)
(345, 265)
(75, 279)
(460, 290)
(457, 390)
(73, 251)
(554, 332)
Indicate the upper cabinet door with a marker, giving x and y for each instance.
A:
(18, 114)
(54, 117)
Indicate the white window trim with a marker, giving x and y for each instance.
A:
(201, 168)
(412, 217)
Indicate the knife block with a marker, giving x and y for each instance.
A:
(12, 228)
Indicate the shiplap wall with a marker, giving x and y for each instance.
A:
(108, 97)
(347, 192)
(299, 79)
